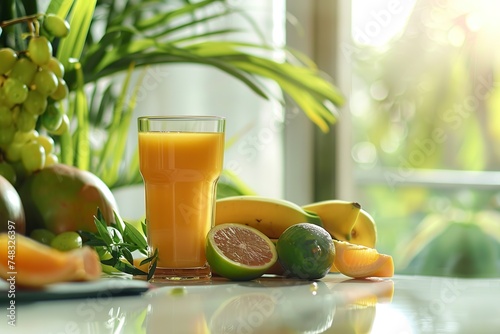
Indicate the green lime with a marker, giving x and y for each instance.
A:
(42, 235)
(306, 251)
(67, 241)
(239, 252)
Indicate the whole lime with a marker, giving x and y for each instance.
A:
(306, 251)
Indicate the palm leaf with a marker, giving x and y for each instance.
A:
(80, 18)
(143, 33)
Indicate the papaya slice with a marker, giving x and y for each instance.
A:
(33, 264)
(361, 262)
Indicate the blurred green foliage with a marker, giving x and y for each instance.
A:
(428, 101)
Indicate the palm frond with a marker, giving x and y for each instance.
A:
(133, 35)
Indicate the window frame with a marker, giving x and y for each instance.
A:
(320, 166)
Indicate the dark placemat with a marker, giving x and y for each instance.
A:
(105, 287)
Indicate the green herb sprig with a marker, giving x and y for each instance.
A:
(120, 239)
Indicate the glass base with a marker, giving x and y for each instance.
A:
(170, 275)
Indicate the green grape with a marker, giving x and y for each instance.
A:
(47, 143)
(3, 99)
(15, 91)
(51, 159)
(67, 241)
(6, 118)
(16, 110)
(35, 103)
(24, 70)
(24, 137)
(39, 50)
(61, 90)
(8, 172)
(8, 58)
(25, 121)
(55, 66)
(63, 127)
(42, 235)
(33, 156)
(45, 81)
(52, 117)
(55, 25)
(7, 135)
(13, 152)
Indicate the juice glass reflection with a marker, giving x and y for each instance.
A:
(180, 159)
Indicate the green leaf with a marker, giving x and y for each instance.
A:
(134, 236)
(60, 7)
(128, 255)
(80, 19)
(95, 243)
(110, 262)
(99, 214)
(119, 224)
(152, 268)
(80, 110)
(102, 229)
(128, 269)
(115, 146)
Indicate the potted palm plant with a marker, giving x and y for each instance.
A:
(109, 38)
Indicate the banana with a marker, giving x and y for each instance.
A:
(364, 231)
(338, 216)
(271, 216)
(346, 221)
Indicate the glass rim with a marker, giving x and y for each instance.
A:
(181, 118)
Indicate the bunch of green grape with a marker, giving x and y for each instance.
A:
(31, 88)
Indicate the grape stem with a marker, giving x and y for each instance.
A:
(29, 18)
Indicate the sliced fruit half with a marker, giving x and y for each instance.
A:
(239, 252)
(361, 262)
(37, 265)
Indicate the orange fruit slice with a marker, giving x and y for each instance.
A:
(239, 252)
(361, 262)
(36, 264)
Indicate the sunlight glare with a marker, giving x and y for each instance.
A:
(376, 22)
(391, 320)
(456, 36)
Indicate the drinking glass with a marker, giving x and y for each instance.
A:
(180, 159)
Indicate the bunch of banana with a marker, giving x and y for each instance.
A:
(271, 216)
(346, 221)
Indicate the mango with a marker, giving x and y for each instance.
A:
(64, 198)
(11, 209)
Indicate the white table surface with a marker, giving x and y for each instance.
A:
(335, 304)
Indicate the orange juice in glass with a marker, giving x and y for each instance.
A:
(181, 159)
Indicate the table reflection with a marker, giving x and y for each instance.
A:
(268, 305)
